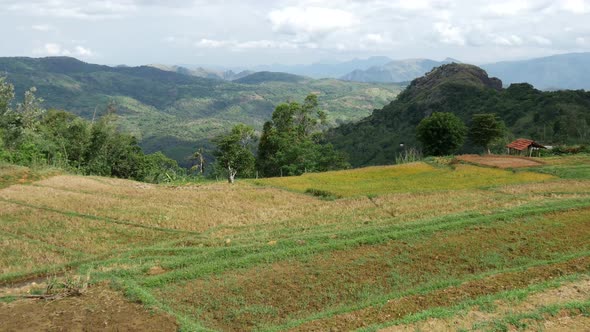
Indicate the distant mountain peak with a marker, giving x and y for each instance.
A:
(453, 73)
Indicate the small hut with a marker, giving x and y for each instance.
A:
(523, 146)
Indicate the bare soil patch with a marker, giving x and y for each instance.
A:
(98, 309)
(397, 308)
(500, 161)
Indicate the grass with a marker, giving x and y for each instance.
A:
(413, 177)
(406, 241)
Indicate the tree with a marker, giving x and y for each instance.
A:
(6, 95)
(441, 133)
(485, 128)
(234, 151)
(199, 158)
(292, 144)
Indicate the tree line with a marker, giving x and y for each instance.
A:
(32, 136)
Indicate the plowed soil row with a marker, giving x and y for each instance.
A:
(397, 308)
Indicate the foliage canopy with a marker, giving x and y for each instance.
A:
(291, 143)
(441, 133)
(32, 136)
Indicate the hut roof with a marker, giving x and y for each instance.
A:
(523, 144)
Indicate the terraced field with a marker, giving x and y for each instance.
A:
(412, 247)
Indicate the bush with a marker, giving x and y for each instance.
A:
(322, 193)
(566, 150)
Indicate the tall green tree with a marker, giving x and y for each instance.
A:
(234, 151)
(441, 133)
(484, 129)
(292, 144)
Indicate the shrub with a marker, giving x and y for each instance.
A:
(322, 193)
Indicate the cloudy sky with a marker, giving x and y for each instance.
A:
(246, 33)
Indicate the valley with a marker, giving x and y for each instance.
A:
(177, 113)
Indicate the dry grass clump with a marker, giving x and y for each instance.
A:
(75, 233)
(18, 255)
(552, 187)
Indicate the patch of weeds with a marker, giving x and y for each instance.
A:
(322, 194)
(8, 299)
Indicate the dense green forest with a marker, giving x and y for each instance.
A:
(34, 137)
(558, 117)
(176, 113)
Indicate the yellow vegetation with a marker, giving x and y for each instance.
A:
(414, 177)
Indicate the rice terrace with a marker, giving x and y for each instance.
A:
(442, 244)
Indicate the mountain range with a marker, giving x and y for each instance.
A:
(395, 71)
(551, 117)
(325, 69)
(177, 112)
(564, 71)
(228, 75)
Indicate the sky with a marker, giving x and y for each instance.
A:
(244, 33)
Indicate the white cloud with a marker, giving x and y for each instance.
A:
(511, 40)
(51, 49)
(375, 38)
(516, 7)
(575, 6)
(245, 45)
(55, 49)
(264, 30)
(541, 41)
(311, 20)
(210, 43)
(42, 27)
(83, 51)
(78, 9)
(449, 34)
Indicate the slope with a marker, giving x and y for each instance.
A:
(176, 113)
(549, 117)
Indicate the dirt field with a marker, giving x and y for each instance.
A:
(499, 161)
(475, 317)
(99, 309)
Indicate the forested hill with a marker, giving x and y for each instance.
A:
(177, 113)
(550, 117)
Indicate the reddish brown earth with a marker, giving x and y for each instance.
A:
(98, 309)
(397, 308)
(499, 161)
